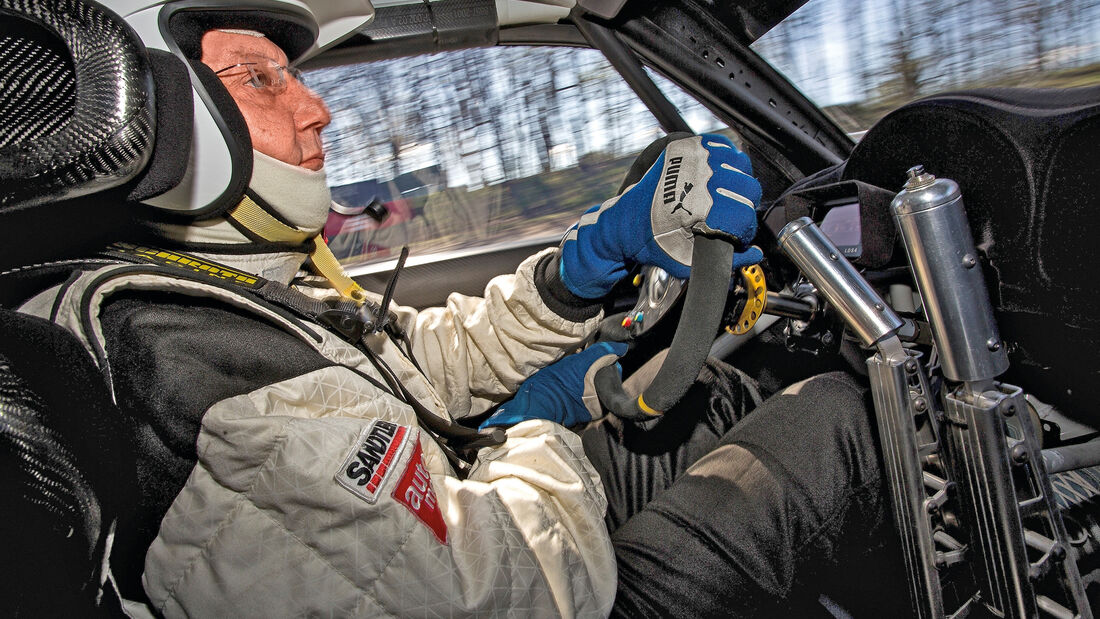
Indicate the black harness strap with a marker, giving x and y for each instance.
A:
(347, 318)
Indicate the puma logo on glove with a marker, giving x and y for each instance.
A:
(683, 194)
(654, 222)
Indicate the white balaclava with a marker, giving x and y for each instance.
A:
(298, 196)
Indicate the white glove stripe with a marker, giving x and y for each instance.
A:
(722, 191)
(588, 218)
(729, 167)
(570, 236)
(718, 145)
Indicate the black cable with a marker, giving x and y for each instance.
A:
(372, 380)
(459, 465)
(452, 437)
(387, 296)
(399, 337)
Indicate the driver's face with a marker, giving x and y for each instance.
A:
(285, 124)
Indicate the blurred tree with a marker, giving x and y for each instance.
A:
(1034, 16)
(859, 60)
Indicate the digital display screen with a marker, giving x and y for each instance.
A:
(841, 225)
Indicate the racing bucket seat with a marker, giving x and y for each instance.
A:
(77, 132)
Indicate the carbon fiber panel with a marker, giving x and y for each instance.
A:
(77, 109)
(46, 473)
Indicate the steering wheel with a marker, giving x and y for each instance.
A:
(704, 304)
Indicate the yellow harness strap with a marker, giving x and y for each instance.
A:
(326, 265)
(261, 223)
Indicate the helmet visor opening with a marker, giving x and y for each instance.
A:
(294, 32)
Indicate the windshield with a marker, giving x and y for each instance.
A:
(477, 148)
(859, 59)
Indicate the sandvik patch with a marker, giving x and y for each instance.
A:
(369, 464)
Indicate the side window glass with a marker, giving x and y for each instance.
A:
(859, 60)
(474, 148)
(698, 117)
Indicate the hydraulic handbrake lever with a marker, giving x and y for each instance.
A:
(901, 395)
(973, 506)
(1023, 563)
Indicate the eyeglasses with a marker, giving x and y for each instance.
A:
(265, 75)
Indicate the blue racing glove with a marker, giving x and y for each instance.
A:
(563, 391)
(701, 184)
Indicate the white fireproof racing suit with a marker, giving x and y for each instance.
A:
(320, 494)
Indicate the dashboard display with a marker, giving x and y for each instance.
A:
(841, 225)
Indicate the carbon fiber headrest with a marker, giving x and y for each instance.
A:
(76, 102)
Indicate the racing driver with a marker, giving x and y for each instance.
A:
(297, 446)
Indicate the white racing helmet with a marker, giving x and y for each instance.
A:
(220, 163)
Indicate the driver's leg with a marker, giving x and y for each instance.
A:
(789, 488)
(637, 462)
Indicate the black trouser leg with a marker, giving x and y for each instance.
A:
(638, 462)
(792, 487)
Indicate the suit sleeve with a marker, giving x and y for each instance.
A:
(477, 350)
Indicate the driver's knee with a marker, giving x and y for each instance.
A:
(825, 421)
(779, 493)
(738, 532)
(822, 433)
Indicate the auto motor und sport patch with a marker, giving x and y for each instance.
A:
(365, 470)
(414, 490)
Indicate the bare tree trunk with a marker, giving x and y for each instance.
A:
(857, 51)
(905, 63)
(1032, 19)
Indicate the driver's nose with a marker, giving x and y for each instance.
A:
(310, 111)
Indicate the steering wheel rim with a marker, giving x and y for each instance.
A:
(699, 321)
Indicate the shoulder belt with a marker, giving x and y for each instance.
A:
(350, 319)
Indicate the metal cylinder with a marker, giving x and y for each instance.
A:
(842, 286)
(930, 215)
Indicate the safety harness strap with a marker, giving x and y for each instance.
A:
(351, 319)
(327, 266)
(262, 223)
(254, 218)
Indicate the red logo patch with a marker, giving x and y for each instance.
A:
(414, 490)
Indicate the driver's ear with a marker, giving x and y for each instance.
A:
(649, 154)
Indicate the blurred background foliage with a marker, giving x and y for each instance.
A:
(859, 59)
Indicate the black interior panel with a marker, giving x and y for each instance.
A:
(1025, 162)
